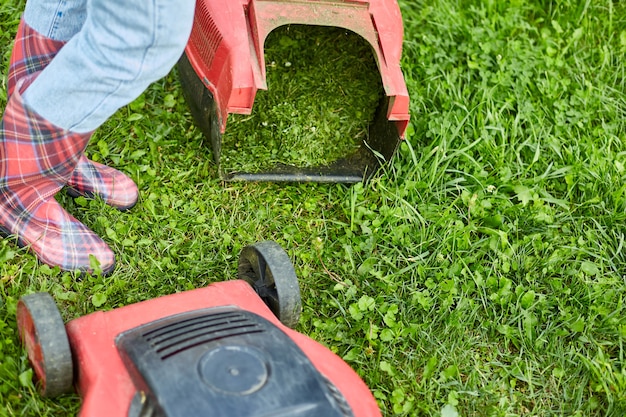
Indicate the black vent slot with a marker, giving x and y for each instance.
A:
(176, 337)
(340, 400)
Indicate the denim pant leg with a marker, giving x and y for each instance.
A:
(122, 47)
(56, 19)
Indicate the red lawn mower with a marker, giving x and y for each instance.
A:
(223, 67)
(223, 350)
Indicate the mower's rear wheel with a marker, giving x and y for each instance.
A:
(43, 334)
(268, 269)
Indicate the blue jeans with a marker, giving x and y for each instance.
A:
(114, 50)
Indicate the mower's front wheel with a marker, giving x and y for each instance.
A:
(268, 269)
(43, 334)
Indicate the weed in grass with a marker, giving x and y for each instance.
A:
(323, 90)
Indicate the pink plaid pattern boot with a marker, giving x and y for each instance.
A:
(36, 160)
(31, 53)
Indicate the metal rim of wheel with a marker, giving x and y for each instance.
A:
(268, 269)
(43, 334)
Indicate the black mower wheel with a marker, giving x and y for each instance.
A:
(43, 334)
(268, 269)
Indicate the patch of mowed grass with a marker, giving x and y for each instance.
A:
(323, 88)
(481, 274)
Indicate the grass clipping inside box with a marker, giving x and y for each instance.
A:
(323, 90)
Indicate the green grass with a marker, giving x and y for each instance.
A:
(482, 274)
(323, 90)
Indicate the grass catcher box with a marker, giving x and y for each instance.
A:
(223, 67)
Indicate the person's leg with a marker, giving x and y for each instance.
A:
(45, 27)
(58, 20)
(121, 48)
(36, 160)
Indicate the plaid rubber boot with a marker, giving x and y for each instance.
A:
(92, 179)
(31, 53)
(36, 160)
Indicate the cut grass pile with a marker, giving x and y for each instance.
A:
(483, 274)
(323, 90)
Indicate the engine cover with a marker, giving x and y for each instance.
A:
(223, 361)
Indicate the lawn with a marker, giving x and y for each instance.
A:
(483, 273)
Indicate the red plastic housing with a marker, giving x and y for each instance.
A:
(106, 387)
(226, 45)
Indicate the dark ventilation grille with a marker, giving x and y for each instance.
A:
(205, 34)
(340, 400)
(173, 338)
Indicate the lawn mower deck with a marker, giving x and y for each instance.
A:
(222, 350)
(223, 67)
